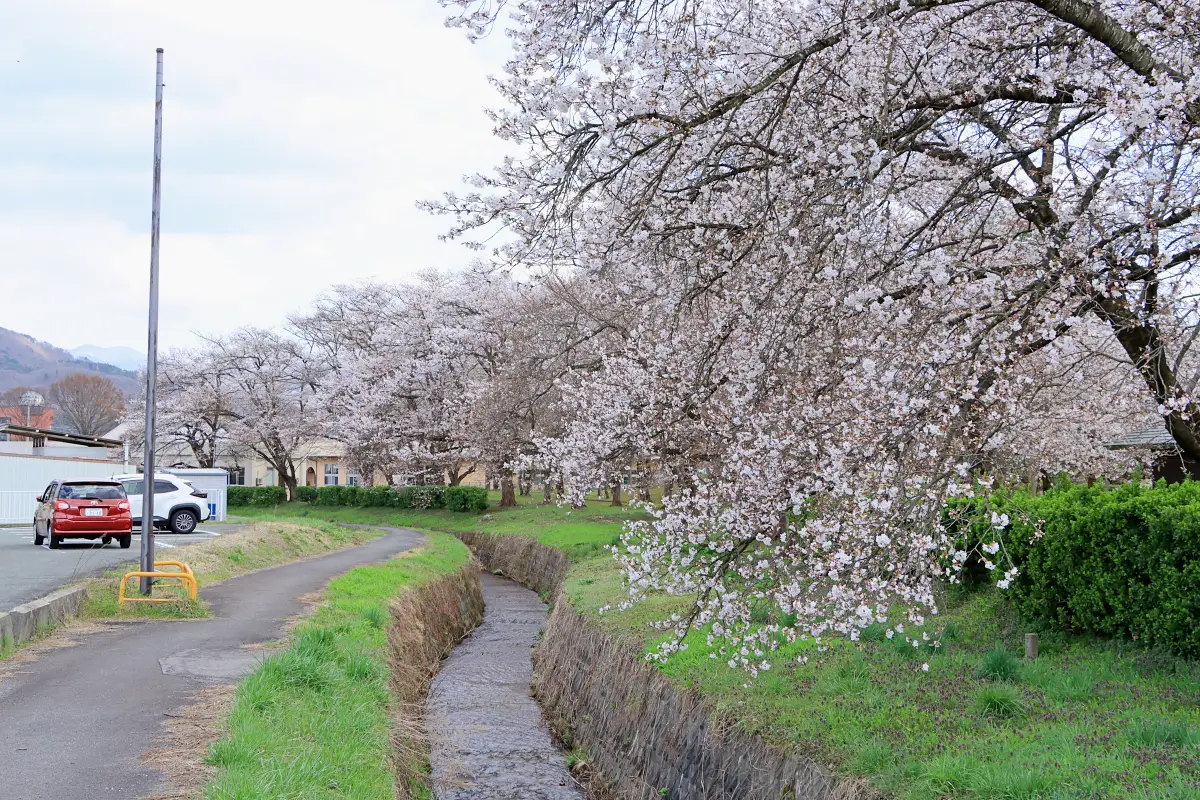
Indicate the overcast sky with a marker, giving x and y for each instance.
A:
(297, 138)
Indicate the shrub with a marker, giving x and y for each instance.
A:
(269, 495)
(466, 498)
(306, 493)
(331, 496)
(381, 496)
(1113, 562)
(999, 665)
(239, 495)
(421, 497)
(353, 496)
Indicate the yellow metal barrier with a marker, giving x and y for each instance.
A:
(185, 576)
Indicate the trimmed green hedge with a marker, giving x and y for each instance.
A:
(381, 496)
(330, 495)
(269, 495)
(306, 494)
(455, 498)
(1113, 562)
(255, 496)
(466, 498)
(239, 496)
(421, 497)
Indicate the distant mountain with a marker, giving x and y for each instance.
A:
(122, 357)
(24, 361)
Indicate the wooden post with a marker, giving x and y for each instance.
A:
(1031, 645)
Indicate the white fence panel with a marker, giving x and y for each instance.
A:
(22, 479)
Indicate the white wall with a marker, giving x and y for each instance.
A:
(22, 479)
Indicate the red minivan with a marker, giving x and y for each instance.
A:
(83, 508)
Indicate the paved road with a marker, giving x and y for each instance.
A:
(488, 740)
(74, 722)
(28, 572)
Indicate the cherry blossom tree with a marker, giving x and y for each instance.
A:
(843, 232)
(273, 381)
(195, 406)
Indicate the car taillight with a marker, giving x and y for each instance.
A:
(62, 505)
(123, 506)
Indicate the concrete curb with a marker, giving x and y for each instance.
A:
(23, 622)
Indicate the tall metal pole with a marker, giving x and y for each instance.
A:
(152, 343)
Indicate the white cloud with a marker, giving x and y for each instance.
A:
(298, 137)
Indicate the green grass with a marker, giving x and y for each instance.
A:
(1072, 724)
(1000, 702)
(312, 721)
(1000, 665)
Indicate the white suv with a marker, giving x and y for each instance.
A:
(176, 504)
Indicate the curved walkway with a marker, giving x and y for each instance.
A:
(74, 721)
(488, 738)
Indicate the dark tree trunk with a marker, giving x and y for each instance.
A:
(616, 495)
(526, 485)
(508, 498)
(546, 489)
(669, 489)
(289, 483)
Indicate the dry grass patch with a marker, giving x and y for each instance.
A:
(258, 546)
(179, 753)
(427, 622)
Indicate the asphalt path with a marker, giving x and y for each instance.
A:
(28, 572)
(74, 722)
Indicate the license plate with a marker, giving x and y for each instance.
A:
(93, 512)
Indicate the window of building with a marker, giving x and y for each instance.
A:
(4, 421)
(352, 479)
(237, 476)
(331, 474)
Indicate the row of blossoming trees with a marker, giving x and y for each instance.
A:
(818, 263)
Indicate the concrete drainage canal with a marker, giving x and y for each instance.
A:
(488, 740)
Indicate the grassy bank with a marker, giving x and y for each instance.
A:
(1087, 719)
(312, 721)
(262, 545)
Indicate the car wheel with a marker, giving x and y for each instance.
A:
(125, 541)
(54, 540)
(37, 537)
(183, 521)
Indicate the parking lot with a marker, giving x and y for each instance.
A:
(28, 572)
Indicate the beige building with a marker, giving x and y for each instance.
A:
(320, 462)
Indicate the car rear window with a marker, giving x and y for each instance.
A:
(160, 487)
(90, 491)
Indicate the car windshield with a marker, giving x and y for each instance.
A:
(90, 491)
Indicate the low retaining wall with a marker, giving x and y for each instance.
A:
(23, 622)
(646, 737)
(533, 565)
(427, 622)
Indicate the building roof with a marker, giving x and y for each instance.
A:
(55, 436)
(1154, 438)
